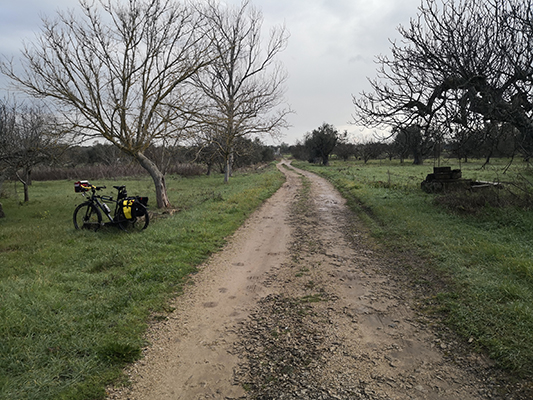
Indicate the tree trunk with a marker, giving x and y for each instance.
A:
(27, 173)
(417, 158)
(26, 193)
(25, 185)
(487, 159)
(158, 178)
(227, 168)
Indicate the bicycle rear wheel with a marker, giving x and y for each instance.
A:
(87, 216)
(137, 223)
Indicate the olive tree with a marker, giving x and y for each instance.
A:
(117, 70)
(460, 63)
(415, 142)
(242, 90)
(321, 142)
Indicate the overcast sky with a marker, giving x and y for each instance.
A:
(331, 49)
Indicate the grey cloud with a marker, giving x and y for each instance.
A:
(330, 55)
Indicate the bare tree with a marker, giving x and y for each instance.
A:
(28, 136)
(460, 63)
(7, 133)
(244, 88)
(371, 149)
(117, 71)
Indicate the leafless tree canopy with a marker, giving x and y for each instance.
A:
(243, 89)
(460, 62)
(29, 134)
(117, 71)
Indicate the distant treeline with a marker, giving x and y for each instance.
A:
(101, 161)
(498, 141)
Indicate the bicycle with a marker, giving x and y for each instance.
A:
(130, 213)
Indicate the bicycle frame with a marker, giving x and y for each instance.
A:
(101, 203)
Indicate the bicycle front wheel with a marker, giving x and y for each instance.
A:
(138, 223)
(87, 216)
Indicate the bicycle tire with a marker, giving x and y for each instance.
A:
(136, 224)
(87, 216)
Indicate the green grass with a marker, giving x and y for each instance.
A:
(486, 258)
(74, 305)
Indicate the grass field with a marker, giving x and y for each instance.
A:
(74, 305)
(483, 252)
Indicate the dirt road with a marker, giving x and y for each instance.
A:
(301, 305)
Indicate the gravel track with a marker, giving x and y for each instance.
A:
(301, 304)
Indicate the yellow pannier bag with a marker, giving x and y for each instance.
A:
(127, 206)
